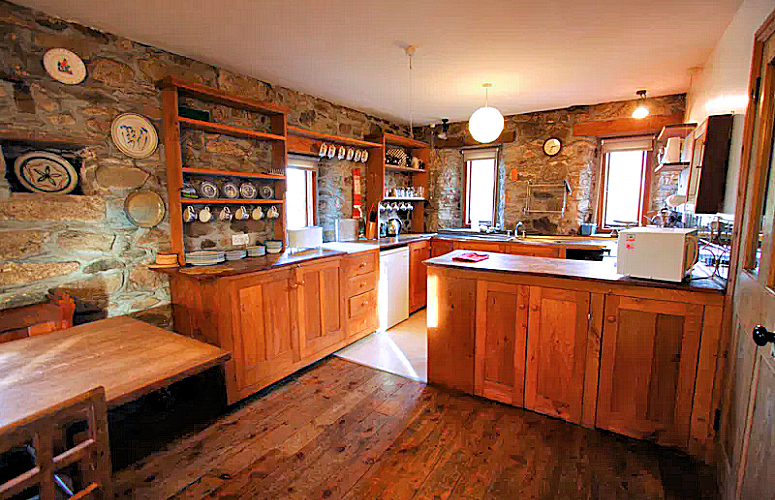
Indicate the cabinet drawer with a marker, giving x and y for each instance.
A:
(361, 284)
(360, 264)
(366, 322)
(362, 303)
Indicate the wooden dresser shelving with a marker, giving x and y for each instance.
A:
(172, 89)
(376, 168)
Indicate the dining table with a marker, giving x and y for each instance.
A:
(128, 357)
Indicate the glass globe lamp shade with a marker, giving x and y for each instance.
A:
(486, 124)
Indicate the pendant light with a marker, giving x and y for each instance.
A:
(642, 111)
(486, 124)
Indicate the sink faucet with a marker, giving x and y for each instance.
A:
(518, 227)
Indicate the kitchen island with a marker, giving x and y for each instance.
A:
(576, 340)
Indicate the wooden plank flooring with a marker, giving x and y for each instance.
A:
(345, 431)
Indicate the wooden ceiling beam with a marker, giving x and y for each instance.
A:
(626, 126)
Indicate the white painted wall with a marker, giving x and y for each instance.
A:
(722, 86)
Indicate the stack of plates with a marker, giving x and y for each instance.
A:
(256, 251)
(237, 254)
(205, 258)
(274, 246)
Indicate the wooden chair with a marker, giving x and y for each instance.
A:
(22, 322)
(41, 432)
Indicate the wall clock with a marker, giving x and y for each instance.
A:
(552, 146)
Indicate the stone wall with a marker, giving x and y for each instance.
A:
(523, 161)
(83, 243)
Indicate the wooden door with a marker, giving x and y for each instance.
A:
(501, 335)
(648, 368)
(266, 334)
(321, 306)
(556, 352)
(747, 432)
(418, 274)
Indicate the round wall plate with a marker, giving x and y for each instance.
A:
(43, 172)
(64, 66)
(134, 135)
(266, 192)
(144, 208)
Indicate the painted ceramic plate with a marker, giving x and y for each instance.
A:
(230, 190)
(266, 192)
(208, 189)
(64, 66)
(134, 135)
(248, 190)
(144, 208)
(43, 172)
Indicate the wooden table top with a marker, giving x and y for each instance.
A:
(126, 356)
(567, 268)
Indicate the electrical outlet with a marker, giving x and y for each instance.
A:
(240, 239)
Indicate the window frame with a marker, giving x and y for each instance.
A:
(479, 154)
(306, 166)
(645, 184)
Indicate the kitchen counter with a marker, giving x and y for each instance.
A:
(255, 264)
(604, 272)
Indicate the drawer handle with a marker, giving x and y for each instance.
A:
(363, 264)
(522, 306)
(534, 308)
(612, 319)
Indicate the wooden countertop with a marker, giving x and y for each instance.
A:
(256, 264)
(566, 268)
(128, 357)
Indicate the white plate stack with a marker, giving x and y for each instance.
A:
(205, 258)
(274, 246)
(256, 251)
(237, 254)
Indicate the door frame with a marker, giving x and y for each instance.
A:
(742, 241)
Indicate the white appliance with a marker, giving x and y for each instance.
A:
(393, 287)
(657, 253)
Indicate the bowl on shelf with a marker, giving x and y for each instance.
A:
(274, 246)
(256, 251)
(237, 254)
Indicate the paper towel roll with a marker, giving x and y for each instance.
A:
(306, 237)
(673, 150)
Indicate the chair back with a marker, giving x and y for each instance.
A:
(43, 433)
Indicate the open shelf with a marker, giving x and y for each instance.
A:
(337, 139)
(679, 166)
(390, 198)
(217, 96)
(398, 168)
(398, 140)
(218, 128)
(194, 201)
(681, 130)
(225, 173)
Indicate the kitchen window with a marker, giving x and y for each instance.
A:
(624, 182)
(481, 184)
(301, 192)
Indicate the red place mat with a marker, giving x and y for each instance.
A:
(471, 257)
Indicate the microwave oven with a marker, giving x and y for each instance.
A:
(657, 253)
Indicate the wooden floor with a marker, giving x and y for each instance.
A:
(341, 430)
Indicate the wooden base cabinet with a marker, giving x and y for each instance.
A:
(321, 315)
(648, 368)
(501, 334)
(418, 275)
(276, 322)
(558, 325)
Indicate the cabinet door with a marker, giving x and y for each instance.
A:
(321, 306)
(532, 250)
(266, 336)
(478, 246)
(556, 352)
(418, 275)
(501, 330)
(439, 247)
(647, 368)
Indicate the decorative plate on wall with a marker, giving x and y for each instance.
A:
(134, 135)
(144, 208)
(64, 66)
(43, 172)
(266, 192)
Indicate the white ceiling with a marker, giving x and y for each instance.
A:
(539, 54)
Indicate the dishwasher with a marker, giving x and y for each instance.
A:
(393, 287)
